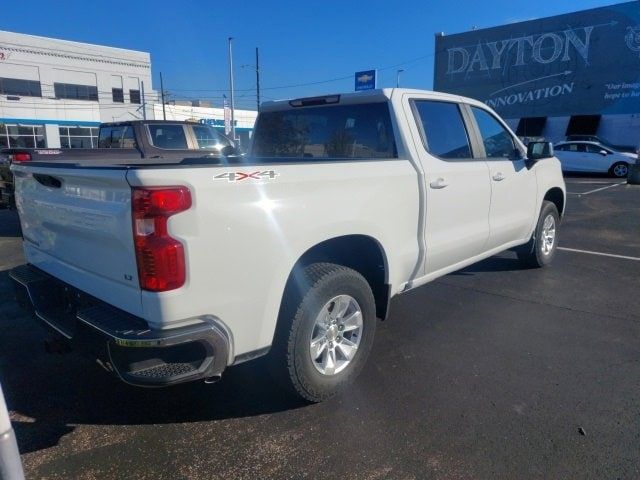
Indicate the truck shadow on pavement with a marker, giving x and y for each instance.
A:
(51, 395)
(9, 223)
(47, 394)
(505, 262)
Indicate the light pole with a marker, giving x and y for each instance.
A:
(164, 114)
(257, 81)
(398, 77)
(233, 126)
(257, 69)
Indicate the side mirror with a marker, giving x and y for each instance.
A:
(539, 150)
(229, 151)
(604, 153)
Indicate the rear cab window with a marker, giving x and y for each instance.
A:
(331, 132)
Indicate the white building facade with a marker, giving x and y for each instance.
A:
(54, 93)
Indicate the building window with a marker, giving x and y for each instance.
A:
(531, 126)
(118, 95)
(134, 96)
(22, 136)
(23, 88)
(79, 137)
(76, 92)
(583, 125)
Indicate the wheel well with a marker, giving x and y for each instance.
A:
(556, 196)
(358, 252)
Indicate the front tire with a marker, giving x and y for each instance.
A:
(325, 331)
(619, 170)
(541, 249)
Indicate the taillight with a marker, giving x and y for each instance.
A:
(20, 157)
(160, 257)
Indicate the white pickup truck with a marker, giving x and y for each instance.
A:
(169, 273)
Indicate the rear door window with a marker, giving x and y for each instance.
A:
(575, 147)
(117, 137)
(336, 131)
(168, 137)
(208, 139)
(443, 129)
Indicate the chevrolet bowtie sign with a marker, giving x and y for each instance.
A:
(580, 63)
(365, 80)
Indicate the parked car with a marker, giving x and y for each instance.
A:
(124, 143)
(170, 273)
(601, 141)
(593, 157)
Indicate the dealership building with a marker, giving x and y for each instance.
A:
(570, 74)
(55, 93)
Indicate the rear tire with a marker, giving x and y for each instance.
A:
(541, 249)
(619, 170)
(325, 331)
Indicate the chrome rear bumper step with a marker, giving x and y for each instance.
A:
(126, 344)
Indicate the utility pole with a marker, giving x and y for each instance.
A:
(233, 120)
(398, 77)
(257, 80)
(144, 104)
(164, 115)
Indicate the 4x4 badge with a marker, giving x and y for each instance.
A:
(239, 176)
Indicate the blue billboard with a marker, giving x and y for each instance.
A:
(365, 80)
(581, 63)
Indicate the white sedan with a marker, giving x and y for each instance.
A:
(593, 157)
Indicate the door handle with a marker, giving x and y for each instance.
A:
(438, 183)
(498, 177)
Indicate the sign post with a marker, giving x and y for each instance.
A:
(227, 115)
(366, 80)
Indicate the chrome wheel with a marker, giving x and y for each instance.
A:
(336, 335)
(548, 237)
(621, 170)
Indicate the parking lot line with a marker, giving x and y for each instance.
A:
(602, 188)
(586, 182)
(624, 257)
(595, 190)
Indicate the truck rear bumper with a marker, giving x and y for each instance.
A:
(121, 342)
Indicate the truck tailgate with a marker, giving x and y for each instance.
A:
(76, 224)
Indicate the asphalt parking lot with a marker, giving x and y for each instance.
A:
(491, 372)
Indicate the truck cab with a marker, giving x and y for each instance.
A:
(173, 271)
